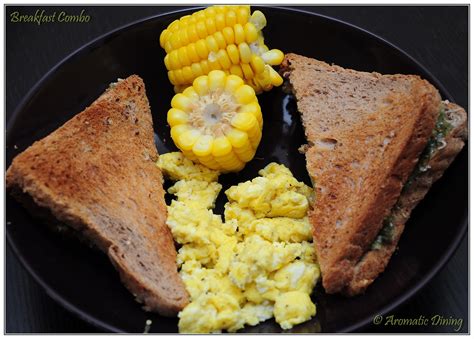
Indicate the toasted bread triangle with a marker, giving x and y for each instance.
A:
(365, 133)
(97, 174)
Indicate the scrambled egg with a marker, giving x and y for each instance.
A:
(257, 264)
(276, 193)
(176, 166)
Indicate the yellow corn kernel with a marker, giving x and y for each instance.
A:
(221, 146)
(237, 168)
(179, 88)
(255, 140)
(209, 157)
(230, 18)
(227, 159)
(245, 53)
(223, 59)
(205, 67)
(256, 87)
(276, 79)
(220, 9)
(201, 49)
(187, 139)
(174, 40)
(192, 53)
(232, 8)
(245, 153)
(201, 86)
(167, 61)
(244, 121)
(242, 15)
(176, 117)
(199, 15)
(236, 70)
(164, 37)
(210, 26)
(174, 26)
(201, 29)
(177, 130)
(251, 33)
(213, 62)
(180, 101)
(264, 79)
(247, 70)
(254, 130)
(258, 19)
(237, 138)
(190, 155)
(172, 78)
(193, 35)
(210, 12)
(178, 74)
(258, 66)
(239, 34)
(211, 163)
(244, 94)
(174, 60)
(191, 93)
(220, 21)
(168, 47)
(247, 9)
(233, 53)
(197, 70)
(183, 57)
(254, 109)
(184, 20)
(228, 34)
(211, 44)
(183, 37)
(187, 74)
(232, 83)
(273, 57)
(220, 40)
(234, 166)
(203, 146)
(216, 80)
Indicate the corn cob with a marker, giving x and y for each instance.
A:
(217, 121)
(223, 38)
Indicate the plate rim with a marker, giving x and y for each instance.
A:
(361, 324)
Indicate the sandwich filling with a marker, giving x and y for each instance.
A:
(436, 142)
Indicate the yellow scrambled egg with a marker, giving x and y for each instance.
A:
(176, 166)
(257, 264)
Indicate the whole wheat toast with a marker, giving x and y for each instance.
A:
(97, 174)
(375, 260)
(365, 132)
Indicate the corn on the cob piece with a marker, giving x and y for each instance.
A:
(226, 38)
(217, 121)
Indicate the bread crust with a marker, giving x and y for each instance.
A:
(365, 133)
(374, 261)
(97, 174)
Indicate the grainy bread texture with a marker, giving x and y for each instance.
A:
(365, 132)
(97, 174)
(374, 261)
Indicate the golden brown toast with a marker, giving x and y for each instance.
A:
(365, 132)
(97, 174)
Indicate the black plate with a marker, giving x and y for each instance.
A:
(84, 282)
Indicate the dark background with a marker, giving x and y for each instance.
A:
(435, 36)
